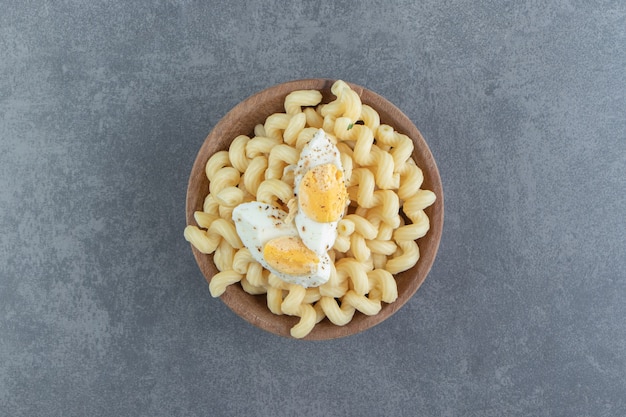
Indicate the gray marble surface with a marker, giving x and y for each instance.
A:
(103, 106)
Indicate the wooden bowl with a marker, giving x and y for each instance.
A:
(241, 120)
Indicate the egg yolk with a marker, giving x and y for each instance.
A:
(287, 254)
(323, 193)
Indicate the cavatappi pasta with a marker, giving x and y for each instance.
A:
(374, 241)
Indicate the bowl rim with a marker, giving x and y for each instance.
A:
(389, 114)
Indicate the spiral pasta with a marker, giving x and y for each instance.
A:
(376, 237)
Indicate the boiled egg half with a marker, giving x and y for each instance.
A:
(320, 188)
(277, 246)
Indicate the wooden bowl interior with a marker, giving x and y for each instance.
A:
(241, 120)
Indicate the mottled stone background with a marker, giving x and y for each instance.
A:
(103, 106)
